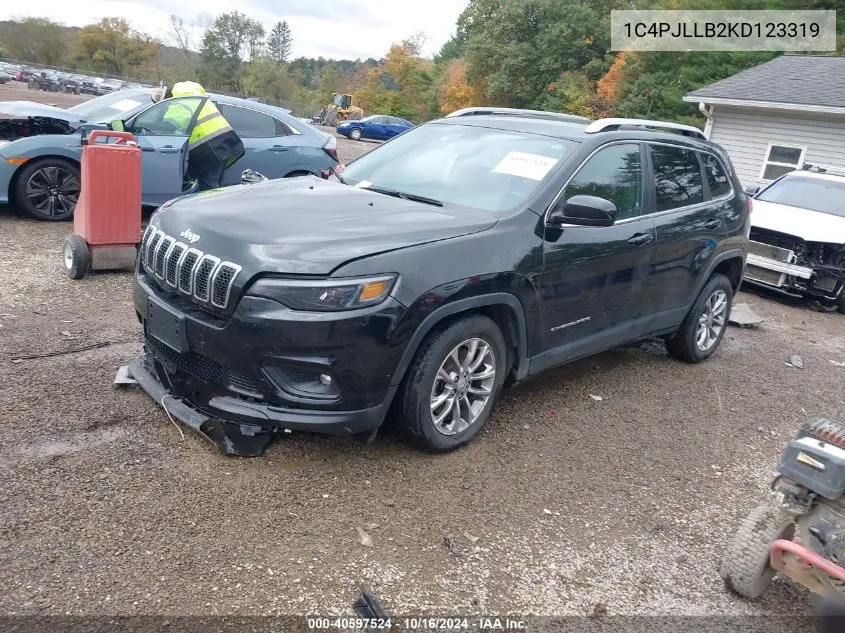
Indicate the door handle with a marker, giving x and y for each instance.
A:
(169, 149)
(146, 148)
(641, 239)
(712, 224)
(279, 148)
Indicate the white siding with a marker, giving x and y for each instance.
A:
(746, 133)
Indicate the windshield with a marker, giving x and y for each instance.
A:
(489, 169)
(808, 192)
(110, 107)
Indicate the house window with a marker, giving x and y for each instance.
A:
(780, 160)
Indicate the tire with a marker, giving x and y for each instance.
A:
(331, 118)
(36, 183)
(356, 134)
(684, 344)
(840, 302)
(746, 568)
(422, 385)
(77, 257)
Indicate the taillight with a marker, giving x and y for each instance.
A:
(331, 152)
(750, 204)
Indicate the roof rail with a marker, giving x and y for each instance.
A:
(607, 125)
(539, 114)
(823, 169)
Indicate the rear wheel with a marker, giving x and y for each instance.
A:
(746, 568)
(453, 384)
(703, 328)
(840, 302)
(356, 134)
(48, 189)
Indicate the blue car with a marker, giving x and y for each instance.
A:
(379, 127)
(40, 147)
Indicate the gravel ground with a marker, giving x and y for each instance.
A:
(563, 503)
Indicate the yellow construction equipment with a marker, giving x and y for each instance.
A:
(340, 109)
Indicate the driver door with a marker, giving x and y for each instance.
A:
(162, 132)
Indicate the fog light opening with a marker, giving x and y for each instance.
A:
(325, 379)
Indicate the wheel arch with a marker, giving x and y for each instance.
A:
(13, 181)
(503, 308)
(730, 263)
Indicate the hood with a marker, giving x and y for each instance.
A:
(308, 225)
(810, 226)
(21, 119)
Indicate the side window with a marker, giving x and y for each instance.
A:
(248, 123)
(282, 129)
(717, 179)
(614, 173)
(677, 177)
(168, 118)
(381, 120)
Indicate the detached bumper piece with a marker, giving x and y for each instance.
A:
(242, 440)
(805, 566)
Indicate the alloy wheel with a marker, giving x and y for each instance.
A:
(712, 321)
(53, 191)
(463, 386)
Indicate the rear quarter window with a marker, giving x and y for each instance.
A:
(717, 177)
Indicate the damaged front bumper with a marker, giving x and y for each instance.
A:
(779, 268)
(250, 425)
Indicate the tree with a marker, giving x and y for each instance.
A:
(112, 46)
(456, 92)
(232, 38)
(266, 78)
(279, 42)
(37, 40)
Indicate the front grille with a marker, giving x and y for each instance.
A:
(177, 266)
(827, 284)
(201, 367)
(770, 251)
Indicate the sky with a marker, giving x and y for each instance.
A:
(343, 29)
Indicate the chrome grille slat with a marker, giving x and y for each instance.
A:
(171, 264)
(162, 251)
(154, 240)
(221, 283)
(202, 276)
(174, 265)
(186, 270)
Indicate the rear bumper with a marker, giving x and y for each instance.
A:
(241, 427)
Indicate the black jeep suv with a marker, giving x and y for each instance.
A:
(467, 253)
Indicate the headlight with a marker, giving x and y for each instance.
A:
(330, 295)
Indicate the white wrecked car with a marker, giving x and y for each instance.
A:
(798, 236)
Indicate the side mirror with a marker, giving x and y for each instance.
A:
(584, 211)
(117, 126)
(752, 190)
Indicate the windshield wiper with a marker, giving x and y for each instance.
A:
(405, 196)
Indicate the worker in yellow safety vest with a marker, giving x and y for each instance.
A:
(213, 145)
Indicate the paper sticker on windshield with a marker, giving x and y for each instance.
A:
(364, 183)
(533, 166)
(125, 105)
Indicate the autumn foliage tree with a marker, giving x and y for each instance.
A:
(114, 47)
(456, 91)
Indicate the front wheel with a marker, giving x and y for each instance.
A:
(746, 568)
(48, 189)
(453, 384)
(840, 302)
(356, 134)
(705, 325)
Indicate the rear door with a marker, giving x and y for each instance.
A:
(163, 139)
(270, 146)
(691, 216)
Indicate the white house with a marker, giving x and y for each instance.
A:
(779, 115)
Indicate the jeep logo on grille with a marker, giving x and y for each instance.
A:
(189, 235)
